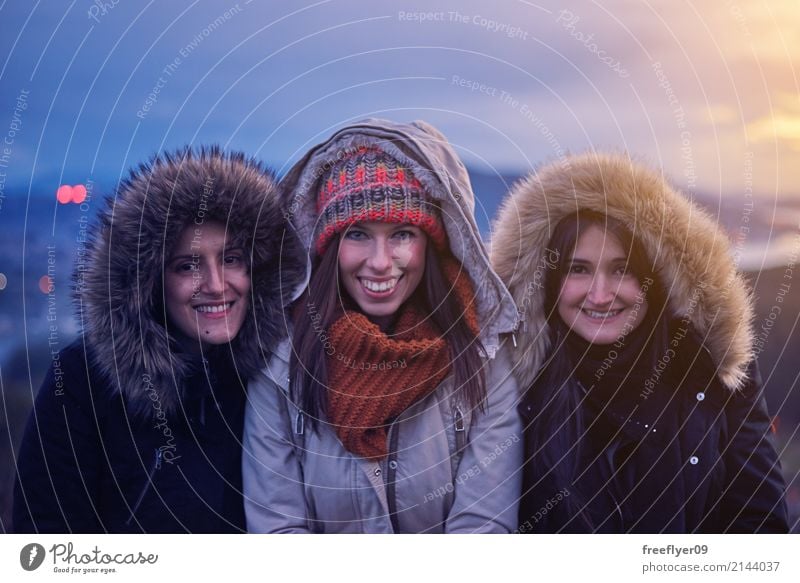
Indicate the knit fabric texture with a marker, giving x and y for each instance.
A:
(373, 378)
(369, 185)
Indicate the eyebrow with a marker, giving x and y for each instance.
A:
(574, 260)
(406, 226)
(193, 256)
(182, 257)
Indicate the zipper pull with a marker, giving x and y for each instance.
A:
(299, 423)
(159, 457)
(458, 419)
(514, 339)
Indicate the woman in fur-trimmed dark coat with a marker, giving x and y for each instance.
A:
(138, 424)
(643, 408)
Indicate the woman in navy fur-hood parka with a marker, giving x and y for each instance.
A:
(644, 409)
(137, 426)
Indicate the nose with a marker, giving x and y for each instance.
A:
(602, 290)
(213, 282)
(380, 257)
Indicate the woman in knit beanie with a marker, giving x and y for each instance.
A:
(392, 408)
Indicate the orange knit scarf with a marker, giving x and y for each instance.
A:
(373, 378)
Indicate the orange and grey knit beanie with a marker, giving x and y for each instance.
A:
(370, 185)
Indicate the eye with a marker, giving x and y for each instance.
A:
(622, 270)
(186, 266)
(355, 235)
(233, 259)
(404, 235)
(577, 269)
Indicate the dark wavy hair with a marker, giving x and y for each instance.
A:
(557, 431)
(318, 307)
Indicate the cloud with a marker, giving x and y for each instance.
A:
(781, 251)
(781, 125)
(722, 114)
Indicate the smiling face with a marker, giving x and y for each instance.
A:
(380, 266)
(600, 298)
(206, 286)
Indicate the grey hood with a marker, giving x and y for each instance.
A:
(433, 161)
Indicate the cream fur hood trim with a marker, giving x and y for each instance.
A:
(692, 253)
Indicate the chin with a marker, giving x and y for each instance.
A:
(214, 340)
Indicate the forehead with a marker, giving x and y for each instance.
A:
(381, 227)
(210, 234)
(596, 243)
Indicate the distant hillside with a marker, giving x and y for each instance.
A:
(778, 340)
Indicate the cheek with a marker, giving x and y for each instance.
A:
(631, 292)
(344, 282)
(241, 282)
(348, 257)
(176, 290)
(641, 313)
(416, 261)
(571, 291)
(410, 255)
(570, 298)
(405, 256)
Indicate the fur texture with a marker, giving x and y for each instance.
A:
(690, 252)
(118, 290)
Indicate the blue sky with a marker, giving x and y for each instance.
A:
(705, 89)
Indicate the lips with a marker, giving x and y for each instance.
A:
(379, 286)
(379, 289)
(212, 310)
(601, 315)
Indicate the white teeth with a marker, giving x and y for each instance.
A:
(379, 286)
(593, 314)
(214, 309)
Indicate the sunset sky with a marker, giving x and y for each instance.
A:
(707, 89)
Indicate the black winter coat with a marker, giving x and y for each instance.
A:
(143, 436)
(700, 458)
(696, 458)
(88, 464)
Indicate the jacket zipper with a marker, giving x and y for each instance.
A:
(608, 490)
(460, 430)
(458, 420)
(391, 475)
(156, 465)
(619, 511)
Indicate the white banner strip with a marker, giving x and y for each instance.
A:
(618, 558)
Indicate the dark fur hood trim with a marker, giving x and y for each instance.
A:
(691, 252)
(118, 289)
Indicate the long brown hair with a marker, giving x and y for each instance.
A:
(318, 308)
(554, 436)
